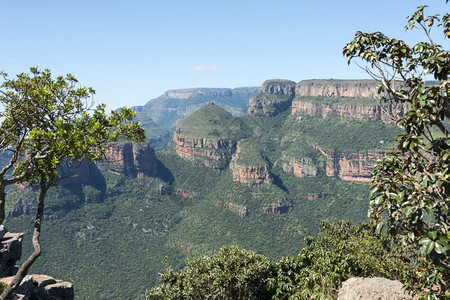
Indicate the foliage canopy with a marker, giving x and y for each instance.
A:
(410, 192)
(48, 122)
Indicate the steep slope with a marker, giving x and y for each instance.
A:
(130, 159)
(355, 99)
(249, 166)
(208, 136)
(273, 97)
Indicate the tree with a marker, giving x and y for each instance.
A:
(48, 122)
(410, 187)
(230, 273)
(340, 251)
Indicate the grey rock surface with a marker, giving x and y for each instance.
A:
(357, 288)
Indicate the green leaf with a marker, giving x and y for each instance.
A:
(439, 249)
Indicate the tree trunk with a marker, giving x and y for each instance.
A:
(2, 203)
(23, 270)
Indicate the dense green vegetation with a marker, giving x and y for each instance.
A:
(250, 153)
(340, 251)
(211, 121)
(132, 229)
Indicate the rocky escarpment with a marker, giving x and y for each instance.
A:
(299, 167)
(211, 153)
(248, 166)
(130, 159)
(208, 137)
(278, 208)
(354, 111)
(338, 88)
(350, 165)
(273, 97)
(251, 176)
(318, 98)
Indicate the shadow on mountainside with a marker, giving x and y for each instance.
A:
(163, 172)
(278, 182)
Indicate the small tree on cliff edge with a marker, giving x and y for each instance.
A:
(48, 122)
(411, 187)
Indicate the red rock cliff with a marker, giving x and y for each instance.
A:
(350, 166)
(338, 88)
(341, 89)
(273, 97)
(207, 152)
(302, 167)
(330, 110)
(252, 176)
(130, 159)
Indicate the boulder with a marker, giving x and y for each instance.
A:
(43, 280)
(60, 290)
(357, 288)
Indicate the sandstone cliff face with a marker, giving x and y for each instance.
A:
(361, 112)
(274, 96)
(130, 160)
(278, 208)
(207, 152)
(302, 167)
(341, 89)
(252, 176)
(338, 88)
(350, 166)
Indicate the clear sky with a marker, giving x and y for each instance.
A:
(133, 51)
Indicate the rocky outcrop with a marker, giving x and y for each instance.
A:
(338, 88)
(349, 165)
(301, 167)
(37, 286)
(241, 210)
(10, 251)
(354, 111)
(349, 89)
(251, 176)
(278, 208)
(32, 286)
(274, 96)
(211, 153)
(251, 173)
(130, 159)
(357, 288)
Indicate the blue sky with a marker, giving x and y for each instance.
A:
(133, 51)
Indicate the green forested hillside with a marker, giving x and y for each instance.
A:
(116, 247)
